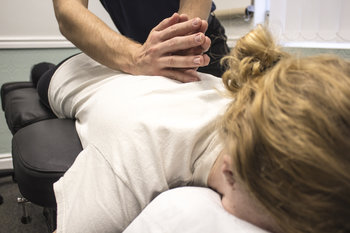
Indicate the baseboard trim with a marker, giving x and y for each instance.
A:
(21, 42)
(6, 161)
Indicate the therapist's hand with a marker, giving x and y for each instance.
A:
(199, 50)
(173, 49)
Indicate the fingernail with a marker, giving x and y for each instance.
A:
(198, 38)
(197, 61)
(196, 22)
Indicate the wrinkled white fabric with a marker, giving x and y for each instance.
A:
(189, 210)
(141, 136)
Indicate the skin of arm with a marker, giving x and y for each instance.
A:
(195, 8)
(157, 56)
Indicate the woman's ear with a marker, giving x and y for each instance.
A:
(227, 170)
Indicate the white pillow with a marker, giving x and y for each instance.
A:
(189, 210)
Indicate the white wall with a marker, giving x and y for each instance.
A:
(319, 23)
(297, 23)
(32, 23)
(228, 4)
(311, 23)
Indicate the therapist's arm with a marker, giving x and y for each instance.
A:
(195, 8)
(154, 57)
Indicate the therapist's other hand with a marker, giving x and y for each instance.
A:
(199, 49)
(174, 49)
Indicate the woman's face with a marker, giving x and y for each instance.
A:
(239, 202)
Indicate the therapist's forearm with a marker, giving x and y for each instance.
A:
(195, 8)
(92, 36)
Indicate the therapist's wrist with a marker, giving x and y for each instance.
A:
(134, 65)
(125, 59)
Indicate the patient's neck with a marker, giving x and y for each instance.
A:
(236, 199)
(215, 178)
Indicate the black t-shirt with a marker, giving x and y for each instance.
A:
(136, 18)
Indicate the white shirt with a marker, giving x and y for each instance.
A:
(141, 136)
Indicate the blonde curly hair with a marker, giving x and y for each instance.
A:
(288, 131)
